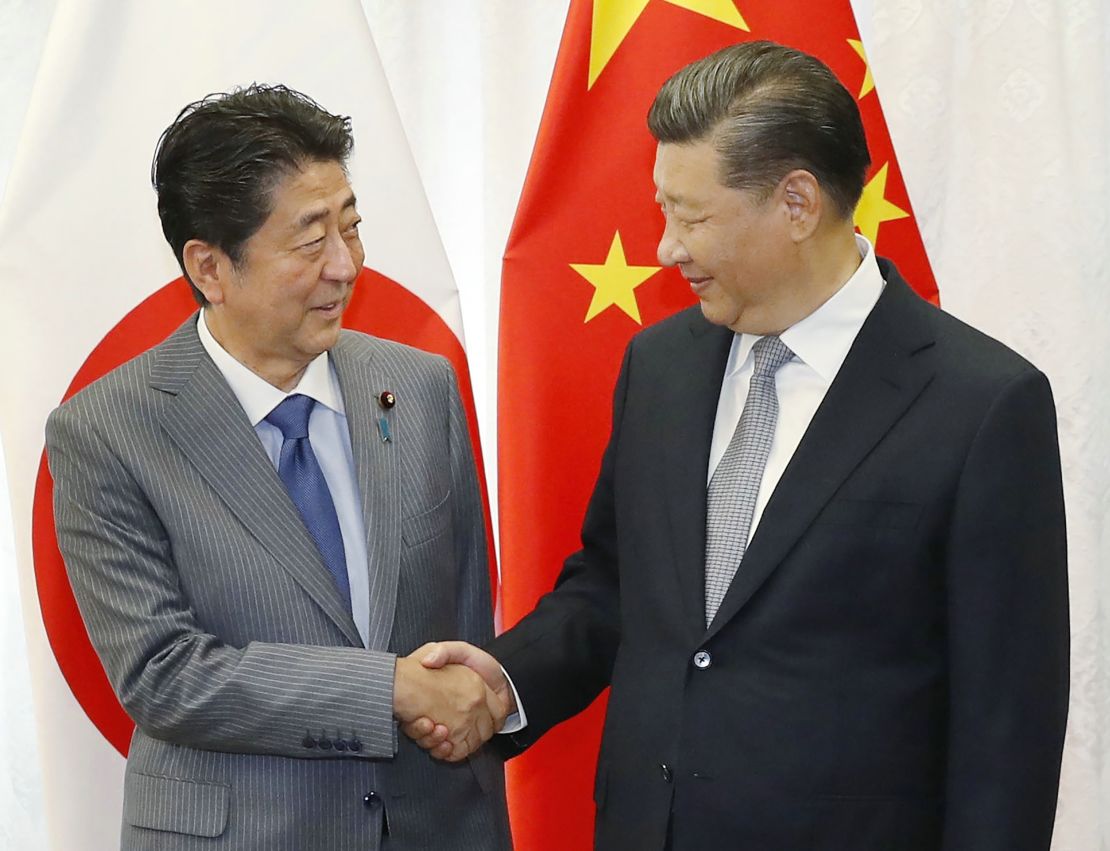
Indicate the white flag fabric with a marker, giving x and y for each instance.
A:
(89, 281)
(1001, 116)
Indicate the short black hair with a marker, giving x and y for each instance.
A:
(769, 109)
(216, 166)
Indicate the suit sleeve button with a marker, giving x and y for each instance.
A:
(355, 745)
(308, 741)
(324, 743)
(341, 745)
(702, 659)
(668, 775)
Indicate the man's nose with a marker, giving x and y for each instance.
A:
(339, 262)
(671, 251)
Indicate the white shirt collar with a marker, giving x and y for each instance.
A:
(257, 396)
(822, 339)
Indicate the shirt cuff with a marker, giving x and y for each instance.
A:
(518, 720)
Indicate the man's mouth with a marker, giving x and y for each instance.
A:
(698, 284)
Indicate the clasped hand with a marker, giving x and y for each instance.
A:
(450, 699)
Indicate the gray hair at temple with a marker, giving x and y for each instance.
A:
(769, 109)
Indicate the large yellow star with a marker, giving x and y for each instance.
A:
(614, 281)
(868, 80)
(614, 18)
(873, 208)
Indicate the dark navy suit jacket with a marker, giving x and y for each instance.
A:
(889, 669)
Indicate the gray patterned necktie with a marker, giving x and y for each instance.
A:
(734, 487)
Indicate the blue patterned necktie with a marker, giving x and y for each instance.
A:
(730, 502)
(300, 472)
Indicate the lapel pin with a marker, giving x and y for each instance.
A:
(387, 400)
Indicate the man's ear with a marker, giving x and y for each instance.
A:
(209, 269)
(804, 202)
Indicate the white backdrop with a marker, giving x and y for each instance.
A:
(1000, 113)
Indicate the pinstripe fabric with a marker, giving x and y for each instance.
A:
(224, 635)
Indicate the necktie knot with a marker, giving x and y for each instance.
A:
(770, 353)
(291, 416)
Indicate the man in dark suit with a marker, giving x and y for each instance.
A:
(264, 514)
(823, 568)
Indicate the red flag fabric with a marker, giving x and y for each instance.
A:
(580, 277)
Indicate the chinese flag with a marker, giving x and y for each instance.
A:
(581, 277)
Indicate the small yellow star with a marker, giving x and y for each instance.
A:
(613, 19)
(874, 209)
(868, 80)
(614, 281)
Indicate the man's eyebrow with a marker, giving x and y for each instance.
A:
(313, 216)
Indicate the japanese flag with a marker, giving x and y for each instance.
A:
(90, 282)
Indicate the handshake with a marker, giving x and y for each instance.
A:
(450, 698)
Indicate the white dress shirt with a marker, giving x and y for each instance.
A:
(331, 443)
(820, 343)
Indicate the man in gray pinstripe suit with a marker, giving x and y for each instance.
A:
(266, 689)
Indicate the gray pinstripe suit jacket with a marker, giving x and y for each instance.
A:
(219, 626)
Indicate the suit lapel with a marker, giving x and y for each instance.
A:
(362, 377)
(208, 425)
(687, 426)
(881, 377)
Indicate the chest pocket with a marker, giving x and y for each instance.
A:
(427, 524)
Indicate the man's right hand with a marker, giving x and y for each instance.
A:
(435, 736)
(465, 710)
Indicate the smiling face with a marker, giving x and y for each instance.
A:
(737, 249)
(281, 305)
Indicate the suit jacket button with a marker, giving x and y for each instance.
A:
(371, 799)
(702, 659)
(668, 775)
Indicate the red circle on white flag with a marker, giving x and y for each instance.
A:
(379, 306)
